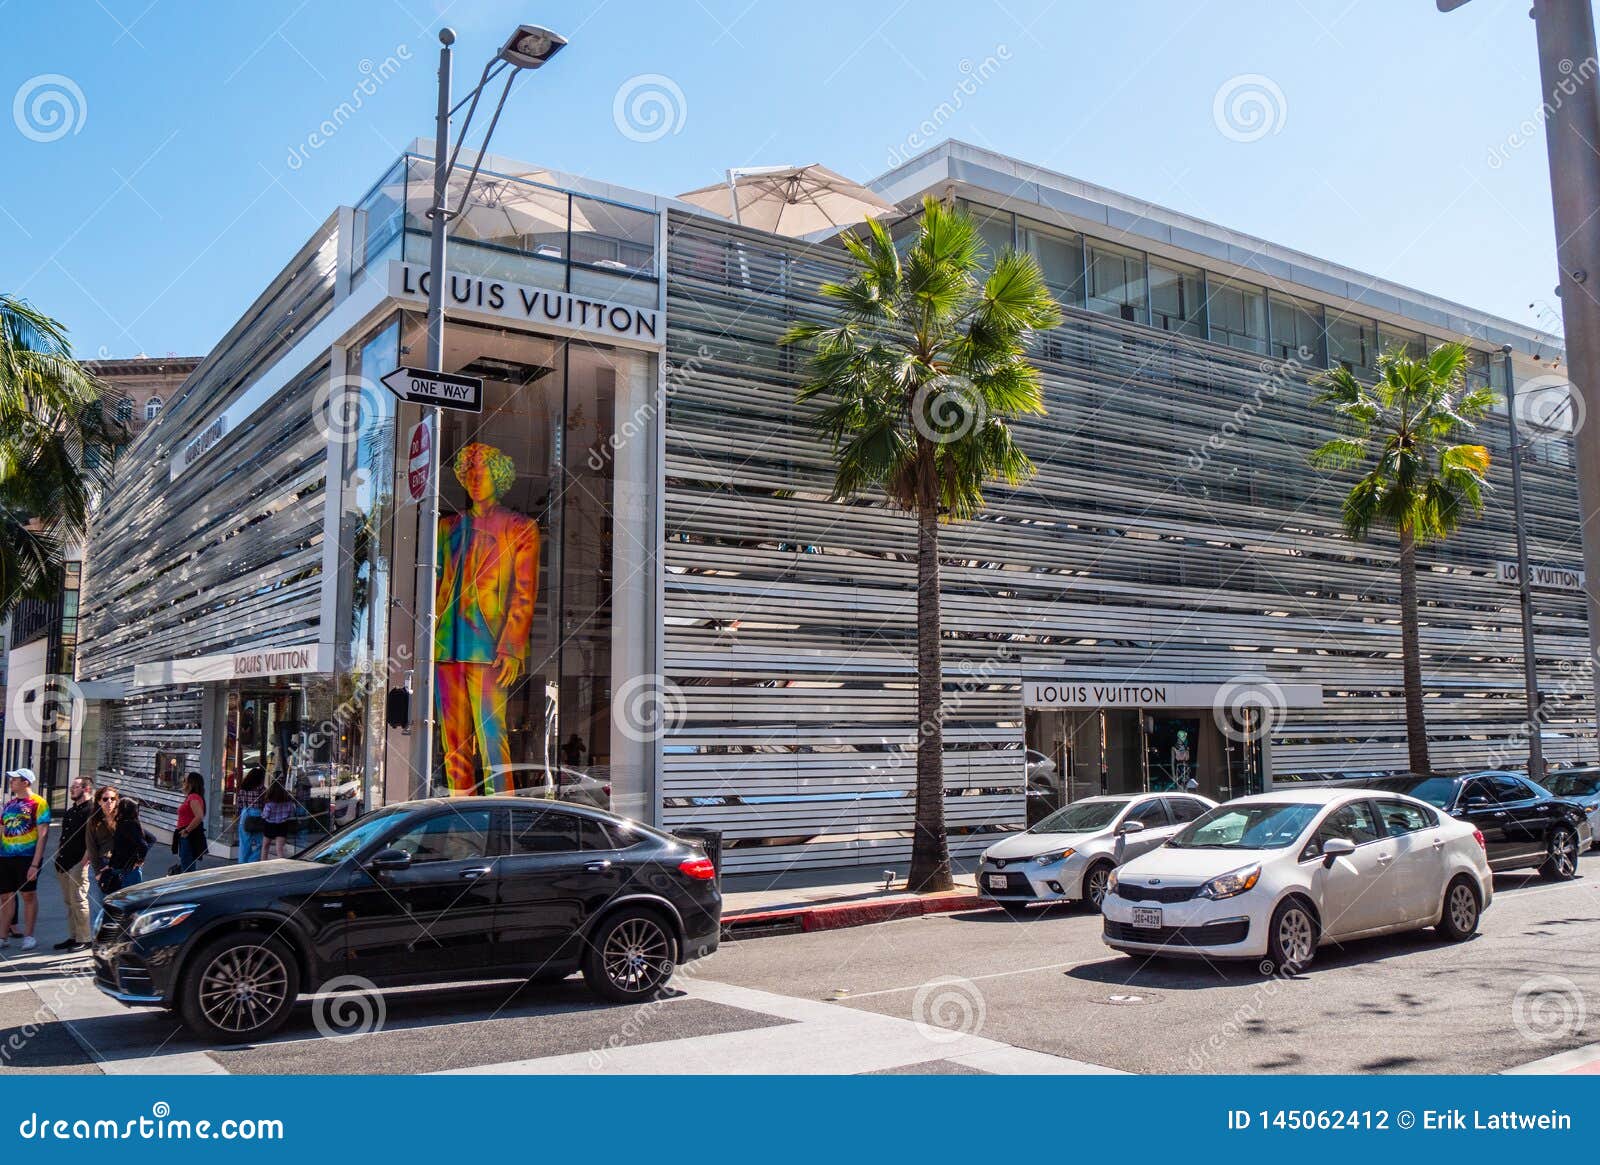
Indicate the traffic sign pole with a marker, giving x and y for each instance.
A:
(428, 511)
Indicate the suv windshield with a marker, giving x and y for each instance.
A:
(1264, 825)
(1084, 817)
(330, 851)
(1436, 791)
(1574, 784)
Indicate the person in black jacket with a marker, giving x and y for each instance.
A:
(117, 844)
(72, 862)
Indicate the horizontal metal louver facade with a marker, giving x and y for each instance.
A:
(229, 554)
(1174, 531)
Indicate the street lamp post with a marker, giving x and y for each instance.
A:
(1530, 653)
(528, 47)
(1571, 113)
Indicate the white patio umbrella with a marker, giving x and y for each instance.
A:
(789, 200)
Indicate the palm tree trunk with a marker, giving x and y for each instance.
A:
(930, 849)
(1411, 654)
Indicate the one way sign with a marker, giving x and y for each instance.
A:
(445, 389)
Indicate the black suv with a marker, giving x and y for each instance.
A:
(1523, 826)
(421, 892)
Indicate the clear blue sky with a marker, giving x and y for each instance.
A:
(153, 224)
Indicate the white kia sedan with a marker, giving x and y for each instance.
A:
(1069, 855)
(1274, 876)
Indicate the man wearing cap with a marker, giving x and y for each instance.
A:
(24, 826)
(72, 862)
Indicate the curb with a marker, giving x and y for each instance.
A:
(838, 916)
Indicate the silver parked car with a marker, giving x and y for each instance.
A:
(1069, 855)
(1581, 786)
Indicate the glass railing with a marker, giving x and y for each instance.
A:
(516, 229)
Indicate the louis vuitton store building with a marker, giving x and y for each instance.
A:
(647, 598)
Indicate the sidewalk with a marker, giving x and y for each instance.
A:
(755, 905)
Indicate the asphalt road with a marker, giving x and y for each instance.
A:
(1410, 1003)
(969, 992)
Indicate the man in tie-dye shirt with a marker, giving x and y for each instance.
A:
(24, 827)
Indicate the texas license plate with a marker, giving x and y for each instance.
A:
(997, 881)
(1147, 917)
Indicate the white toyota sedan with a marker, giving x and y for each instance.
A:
(1071, 853)
(1276, 875)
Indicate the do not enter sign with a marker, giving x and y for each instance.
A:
(421, 463)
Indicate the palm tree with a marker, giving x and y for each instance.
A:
(1417, 479)
(56, 444)
(917, 374)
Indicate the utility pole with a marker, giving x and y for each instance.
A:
(1567, 66)
(1530, 653)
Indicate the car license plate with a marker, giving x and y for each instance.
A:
(1147, 917)
(997, 882)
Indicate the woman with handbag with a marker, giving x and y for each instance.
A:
(117, 842)
(252, 825)
(189, 836)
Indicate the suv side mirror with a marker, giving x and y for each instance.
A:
(1335, 847)
(1476, 801)
(1131, 827)
(389, 860)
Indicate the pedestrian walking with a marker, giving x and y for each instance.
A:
(24, 826)
(117, 842)
(189, 837)
(252, 826)
(278, 812)
(72, 863)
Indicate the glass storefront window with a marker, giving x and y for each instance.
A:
(1353, 343)
(1296, 329)
(996, 228)
(1060, 257)
(1177, 298)
(1116, 282)
(1398, 340)
(527, 566)
(1238, 315)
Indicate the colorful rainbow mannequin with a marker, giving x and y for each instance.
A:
(488, 564)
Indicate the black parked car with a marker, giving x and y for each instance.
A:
(1523, 825)
(421, 892)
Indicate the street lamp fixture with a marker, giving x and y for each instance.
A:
(529, 47)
